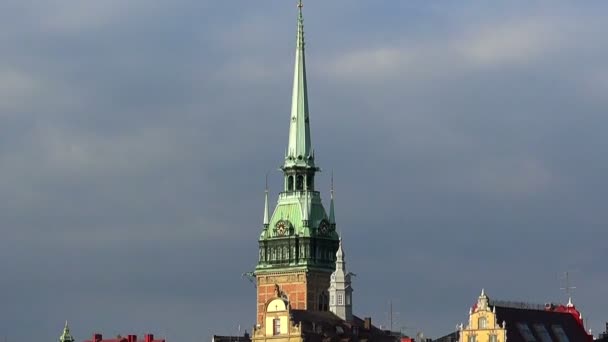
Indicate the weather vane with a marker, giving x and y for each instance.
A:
(300, 5)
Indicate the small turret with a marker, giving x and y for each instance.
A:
(66, 336)
(340, 290)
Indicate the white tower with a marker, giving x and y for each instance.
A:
(340, 290)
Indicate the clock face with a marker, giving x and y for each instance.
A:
(323, 228)
(281, 228)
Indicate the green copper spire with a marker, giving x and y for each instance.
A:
(66, 336)
(266, 205)
(299, 151)
(298, 234)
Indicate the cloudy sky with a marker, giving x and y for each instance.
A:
(467, 141)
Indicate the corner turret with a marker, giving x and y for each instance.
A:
(340, 289)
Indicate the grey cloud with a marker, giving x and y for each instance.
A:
(136, 136)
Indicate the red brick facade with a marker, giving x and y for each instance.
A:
(303, 289)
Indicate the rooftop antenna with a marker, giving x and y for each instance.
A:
(390, 314)
(568, 288)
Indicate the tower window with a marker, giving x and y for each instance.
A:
(276, 326)
(309, 182)
(290, 183)
(323, 301)
(340, 299)
(299, 182)
(332, 299)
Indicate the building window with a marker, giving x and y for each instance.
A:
(340, 300)
(542, 332)
(290, 183)
(559, 333)
(493, 338)
(299, 182)
(347, 299)
(332, 299)
(323, 302)
(525, 332)
(472, 338)
(482, 323)
(276, 326)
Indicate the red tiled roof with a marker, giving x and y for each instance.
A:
(128, 338)
(541, 324)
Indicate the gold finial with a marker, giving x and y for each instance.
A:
(300, 5)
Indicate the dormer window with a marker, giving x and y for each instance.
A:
(276, 326)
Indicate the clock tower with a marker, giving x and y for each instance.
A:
(298, 242)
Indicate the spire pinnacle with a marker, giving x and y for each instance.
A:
(340, 254)
(332, 215)
(266, 204)
(66, 336)
(299, 151)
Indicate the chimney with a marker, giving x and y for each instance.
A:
(97, 337)
(367, 323)
(149, 338)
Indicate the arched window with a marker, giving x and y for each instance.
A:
(309, 182)
(290, 183)
(323, 302)
(482, 322)
(300, 182)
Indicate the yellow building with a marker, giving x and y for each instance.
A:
(483, 326)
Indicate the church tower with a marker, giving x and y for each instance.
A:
(340, 290)
(298, 243)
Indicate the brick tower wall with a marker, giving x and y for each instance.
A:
(302, 288)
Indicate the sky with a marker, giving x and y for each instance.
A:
(467, 140)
